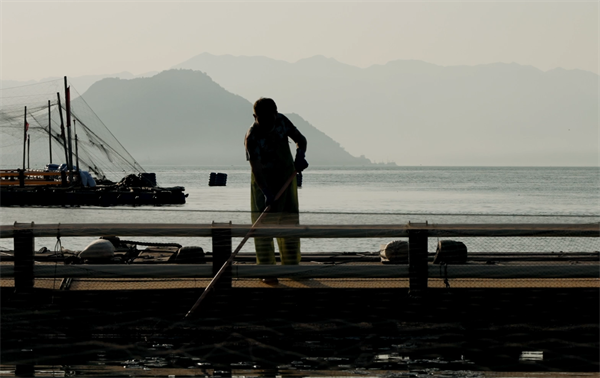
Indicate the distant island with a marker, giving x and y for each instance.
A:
(184, 117)
(417, 113)
(407, 112)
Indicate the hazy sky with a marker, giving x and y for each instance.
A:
(51, 38)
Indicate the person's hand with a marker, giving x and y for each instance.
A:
(300, 162)
(269, 196)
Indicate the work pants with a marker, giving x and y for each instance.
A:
(284, 211)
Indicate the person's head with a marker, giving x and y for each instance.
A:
(265, 111)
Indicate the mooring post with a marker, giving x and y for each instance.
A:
(417, 259)
(24, 244)
(221, 244)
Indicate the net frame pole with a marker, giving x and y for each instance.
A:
(24, 136)
(50, 131)
(76, 149)
(62, 129)
(70, 145)
(28, 151)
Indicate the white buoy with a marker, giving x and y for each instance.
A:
(395, 252)
(98, 250)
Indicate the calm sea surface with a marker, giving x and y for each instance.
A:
(377, 195)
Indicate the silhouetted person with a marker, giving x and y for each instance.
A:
(268, 151)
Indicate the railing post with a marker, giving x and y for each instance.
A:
(417, 260)
(24, 244)
(21, 177)
(221, 244)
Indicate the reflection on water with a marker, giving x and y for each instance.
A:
(178, 366)
(175, 365)
(382, 357)
(532, 356)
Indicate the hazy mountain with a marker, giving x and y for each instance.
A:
(79, 83)
(413, 112)
(184, 117)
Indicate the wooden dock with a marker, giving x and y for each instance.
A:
(20, 187)
(317, 270)
(342, 306)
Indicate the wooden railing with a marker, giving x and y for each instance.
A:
(417, 270)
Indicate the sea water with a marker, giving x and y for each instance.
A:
(381, 194)
(336, 195)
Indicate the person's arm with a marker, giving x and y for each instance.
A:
(300, 162)
(300, 140)
(295, 135)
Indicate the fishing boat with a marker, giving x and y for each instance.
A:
(95, 169)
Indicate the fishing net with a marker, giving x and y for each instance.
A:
(93, 145)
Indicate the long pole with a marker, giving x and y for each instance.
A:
(28, 149)
(49, 132)
(239, 247)
(25, 128)
(62, 129)
(76, 146)
(70, 145)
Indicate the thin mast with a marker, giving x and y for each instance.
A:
(62, 130)
(49, 132)
(76, 148)
(28, 149)
(25, 128)
(70, 146)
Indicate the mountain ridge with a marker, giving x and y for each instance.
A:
(417, 113)
(186, 117)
